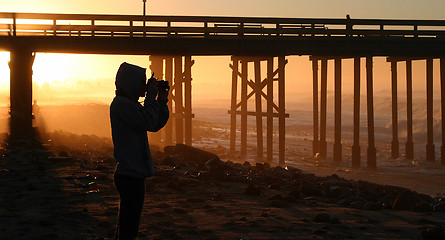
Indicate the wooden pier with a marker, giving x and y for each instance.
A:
(172, 41)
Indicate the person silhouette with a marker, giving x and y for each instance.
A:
(35, 113)
(130, 122)
(348, 26)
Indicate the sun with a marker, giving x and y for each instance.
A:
(52, 68)
(4, 71)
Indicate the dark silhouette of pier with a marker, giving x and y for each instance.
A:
(171, 41)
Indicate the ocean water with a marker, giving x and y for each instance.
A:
(211, 131)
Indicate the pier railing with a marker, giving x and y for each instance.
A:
(87, 25)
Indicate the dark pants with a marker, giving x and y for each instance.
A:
(131, 191)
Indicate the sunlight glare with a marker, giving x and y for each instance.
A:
(4, 71)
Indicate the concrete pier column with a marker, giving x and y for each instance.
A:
(337, 109)
(315, 105)
(188, 99)
(235, 73)
(356, 143)
(259, 111)
(370, 105)
(322, 148)
(409, 145)
(21, 92)
(243, 107)
(430, 150)
(169, 77)
(281, 109)
(442, 100)
(178, 99)
(395, 129)
(269, 133)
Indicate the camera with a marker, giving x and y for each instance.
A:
(162, 84)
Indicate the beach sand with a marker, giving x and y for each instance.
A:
(59, 191)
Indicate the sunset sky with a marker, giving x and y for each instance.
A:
(211, 74)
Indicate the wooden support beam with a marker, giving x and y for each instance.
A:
(179, 122)
(282, 108)
(235, 64)
(188, 99)
(323, 107)
(442, 100)
(264, 114)
(395, 129)
(337, 109)
(430, 149)
(169, 77)
(409, 145)
(156, 67)
(259, 118)
(20, 66)
(372, 163)
(270, 76)
(244, 107)
(356, 143)
(315, 106)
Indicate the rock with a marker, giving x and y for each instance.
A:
(440, 206)
(309, 189)
(216, 174)
(435, 232)
(385, 203)
(329, 182)
(282, 173)
(259, 166)
(169, 150)
(59, 159)
(192, 154)
(424, 207)
(426, 198)
(370, 206)
(277, 197)
(292, 196)
(252, 190)
(215, 164)
(292, 169)
(322, 217)
(63, 154)
(180, 166)
(358, 204)
(369, 195)
(246, 164)
(406, 200)
(336, 192)
(169, 161)
(268, 178)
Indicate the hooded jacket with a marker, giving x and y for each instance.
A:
(130, 122)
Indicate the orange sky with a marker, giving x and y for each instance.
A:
(211, 75)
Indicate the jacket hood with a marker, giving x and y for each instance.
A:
(129, 79)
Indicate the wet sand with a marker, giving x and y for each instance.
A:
(61, 191)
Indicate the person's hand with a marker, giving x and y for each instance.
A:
(163, 95)
(152, 90)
